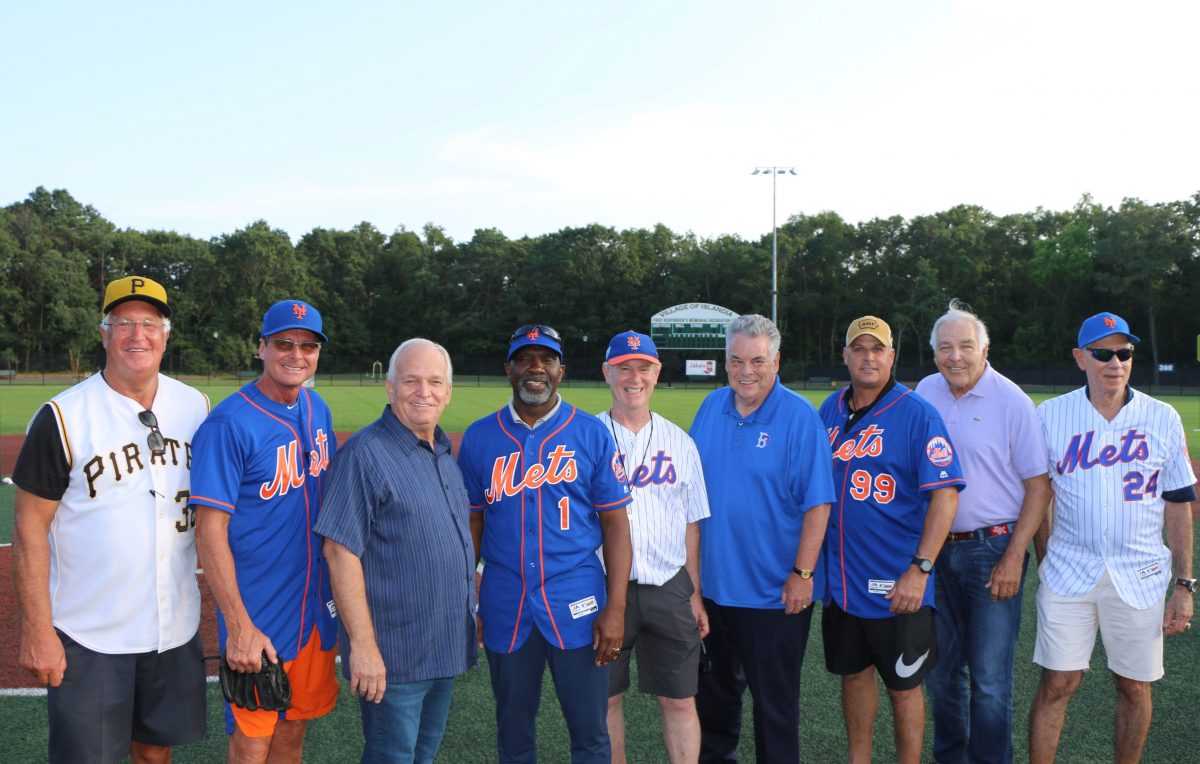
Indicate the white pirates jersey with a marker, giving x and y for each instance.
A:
(1108, 480)
(667, 483)
(123, 542)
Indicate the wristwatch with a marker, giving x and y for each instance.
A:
(802, 572)
(923, 565)
(1187, 583)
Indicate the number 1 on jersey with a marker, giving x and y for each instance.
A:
(564, 514)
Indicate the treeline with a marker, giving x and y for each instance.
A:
(1032, 276)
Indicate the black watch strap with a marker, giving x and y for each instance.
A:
(1187, 583)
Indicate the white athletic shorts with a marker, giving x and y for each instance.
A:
(1066, 632)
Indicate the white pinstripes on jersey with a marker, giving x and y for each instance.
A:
(1108, 480)
(661, 509)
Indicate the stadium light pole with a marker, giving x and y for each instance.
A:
(774, 173)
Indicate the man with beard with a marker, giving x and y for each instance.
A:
(546, 490)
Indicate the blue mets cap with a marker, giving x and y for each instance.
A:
(535, 334)
(1102, 325)
(292, 314)
(631, 346)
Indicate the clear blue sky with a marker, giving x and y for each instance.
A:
(530, 117)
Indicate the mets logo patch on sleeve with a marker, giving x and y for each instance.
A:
(939, 452)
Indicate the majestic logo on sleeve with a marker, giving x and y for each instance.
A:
(505, 481)
(1078, 455)
(288, 473)
(938, 451)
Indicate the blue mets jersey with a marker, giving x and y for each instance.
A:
(884, 465)
(540, 491)
(265, 463)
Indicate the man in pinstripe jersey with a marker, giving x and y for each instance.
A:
(664, 614)
(1120, 471)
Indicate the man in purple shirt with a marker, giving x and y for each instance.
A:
(981, 569)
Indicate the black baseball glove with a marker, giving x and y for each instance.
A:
(267, 688)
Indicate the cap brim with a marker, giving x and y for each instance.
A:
(162, 306)
(632, 357)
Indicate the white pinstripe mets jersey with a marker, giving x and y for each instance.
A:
(668, 493)
(1108, 480)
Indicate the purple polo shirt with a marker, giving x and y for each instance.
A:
(995, 432)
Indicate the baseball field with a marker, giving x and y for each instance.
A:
(1087, 736)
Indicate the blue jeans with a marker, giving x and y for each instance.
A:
(407, 726)
(582, 689)
(977, 639)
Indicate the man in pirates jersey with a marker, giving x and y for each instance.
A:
(547, 490)
(1120, 472)
(769, 479)
(664, 614)
(104, 556)
(261, 459)
(897, 478)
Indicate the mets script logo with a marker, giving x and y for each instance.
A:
(1079, 452)
(299, 310)
(660, 471)
(868, 443)
(939, 452)
(1110, 322)
(288, 472)
(505, 481)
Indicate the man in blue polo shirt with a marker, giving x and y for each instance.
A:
(398, 541)
(768, 470)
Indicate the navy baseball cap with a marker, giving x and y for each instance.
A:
(631, 346)
(535, 334)
(292, 314)
(1102, 325)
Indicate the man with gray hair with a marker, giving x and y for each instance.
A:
(398, 540)
(768, 470)
(981, 569)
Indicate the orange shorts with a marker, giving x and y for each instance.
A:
(314, 691)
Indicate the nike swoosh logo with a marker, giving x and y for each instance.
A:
(905, 670)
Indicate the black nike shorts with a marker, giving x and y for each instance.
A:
(902, 648)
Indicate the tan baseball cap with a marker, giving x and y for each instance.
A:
(876, 327)
(136, 288)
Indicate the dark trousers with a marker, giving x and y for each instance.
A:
(762, 649)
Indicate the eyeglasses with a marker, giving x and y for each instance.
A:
(287, 346)
(126, 325)
(546, 330)
(155, 440)
(1104, 355)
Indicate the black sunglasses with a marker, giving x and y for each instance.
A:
(1104, 355)
(155, 440)
(546, 330)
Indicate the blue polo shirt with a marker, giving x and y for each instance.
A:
(402, 509)
(764, 472)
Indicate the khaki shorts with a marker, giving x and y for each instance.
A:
(1066, 632)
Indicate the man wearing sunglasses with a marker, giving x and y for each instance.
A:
(104, 547)
(259, 468)
(547, 489)
(1120, 472)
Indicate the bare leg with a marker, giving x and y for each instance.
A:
(1134, 708)
(860, 702)
(908, 712)
(144, 753)
(616, 728)
(1049, 711)
(681, 729)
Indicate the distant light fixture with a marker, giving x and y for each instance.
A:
(774, 237)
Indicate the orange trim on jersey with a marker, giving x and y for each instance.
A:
(62, 431)
(893, 403)
(307, 509)
(209, 502)
(520, 462)
(842, 533)
(940, 482)
(541, 546)
(620, 503)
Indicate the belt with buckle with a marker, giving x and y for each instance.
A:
(979, 534)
